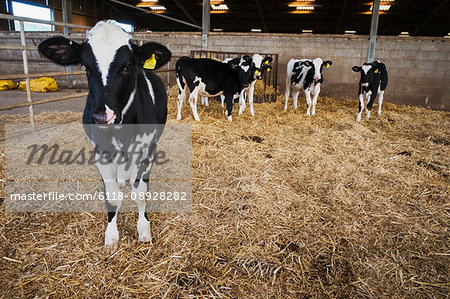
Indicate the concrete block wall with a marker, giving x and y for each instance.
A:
(418, 67)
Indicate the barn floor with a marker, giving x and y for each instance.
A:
(317, 206)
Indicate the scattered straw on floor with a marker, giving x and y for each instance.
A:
(284, 205)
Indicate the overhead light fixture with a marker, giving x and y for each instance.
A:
(222, 6)
(350, 32)
(305, 7)
(218, 7)
(216, 2)
(300, 3)
(217, 29)
(158, 8)
(256, 30)
(382, 7)
(147, 3)
(307, 31)
(302, 6)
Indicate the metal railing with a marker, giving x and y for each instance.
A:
(26, 75)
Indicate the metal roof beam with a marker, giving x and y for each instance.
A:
(156, 14)
(341, 17)
(429, 16)
(258, 5)
(185, 11)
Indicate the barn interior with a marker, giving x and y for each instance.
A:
(284, 205)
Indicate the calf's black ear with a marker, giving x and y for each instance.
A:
(327, 63)
(61, 50)
(247, 59)
(152, 56)
(267, 60)
(356, 68)
(267, 67)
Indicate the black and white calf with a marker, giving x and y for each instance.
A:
(373, 82)
(258, 66)
(306, 75)
(209, 78)
(123, 90)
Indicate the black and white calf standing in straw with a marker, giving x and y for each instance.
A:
(258, 66)
(123, 90)
(209, 78)
(373, 82)
(306, 75)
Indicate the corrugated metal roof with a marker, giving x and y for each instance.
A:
(421, 17)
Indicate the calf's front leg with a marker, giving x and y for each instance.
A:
(361, 106)
(308, 101)
(112, 191)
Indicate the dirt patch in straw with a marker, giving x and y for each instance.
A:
(284, 205)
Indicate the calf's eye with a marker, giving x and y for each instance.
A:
(127, 68)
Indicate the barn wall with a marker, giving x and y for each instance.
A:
(418, 66)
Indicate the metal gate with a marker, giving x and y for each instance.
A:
(269, 78)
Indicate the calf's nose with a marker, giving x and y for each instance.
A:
(100, 117)
(104, 117)
(316, 77)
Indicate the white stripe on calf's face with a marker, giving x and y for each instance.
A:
(105, 39)
(257, 60)
(317, 65)
(366, 68)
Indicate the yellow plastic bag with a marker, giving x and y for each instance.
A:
(7, 84)
(43, 84)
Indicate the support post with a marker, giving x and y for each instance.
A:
(25, 70)
(67, 18)
(373, 30)
(205, 23)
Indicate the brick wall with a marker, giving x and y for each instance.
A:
(418, 66)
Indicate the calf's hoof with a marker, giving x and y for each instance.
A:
(111, 237)
(143, 228)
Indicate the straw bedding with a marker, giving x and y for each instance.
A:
(284, 205)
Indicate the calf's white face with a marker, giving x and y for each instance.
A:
(317, 68)
(105, 39)
(260, 65)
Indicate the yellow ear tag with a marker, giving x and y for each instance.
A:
(150, 63)
(268, 69)
(267, 62)
(328, 65)
(376, 71)
(256, 72)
